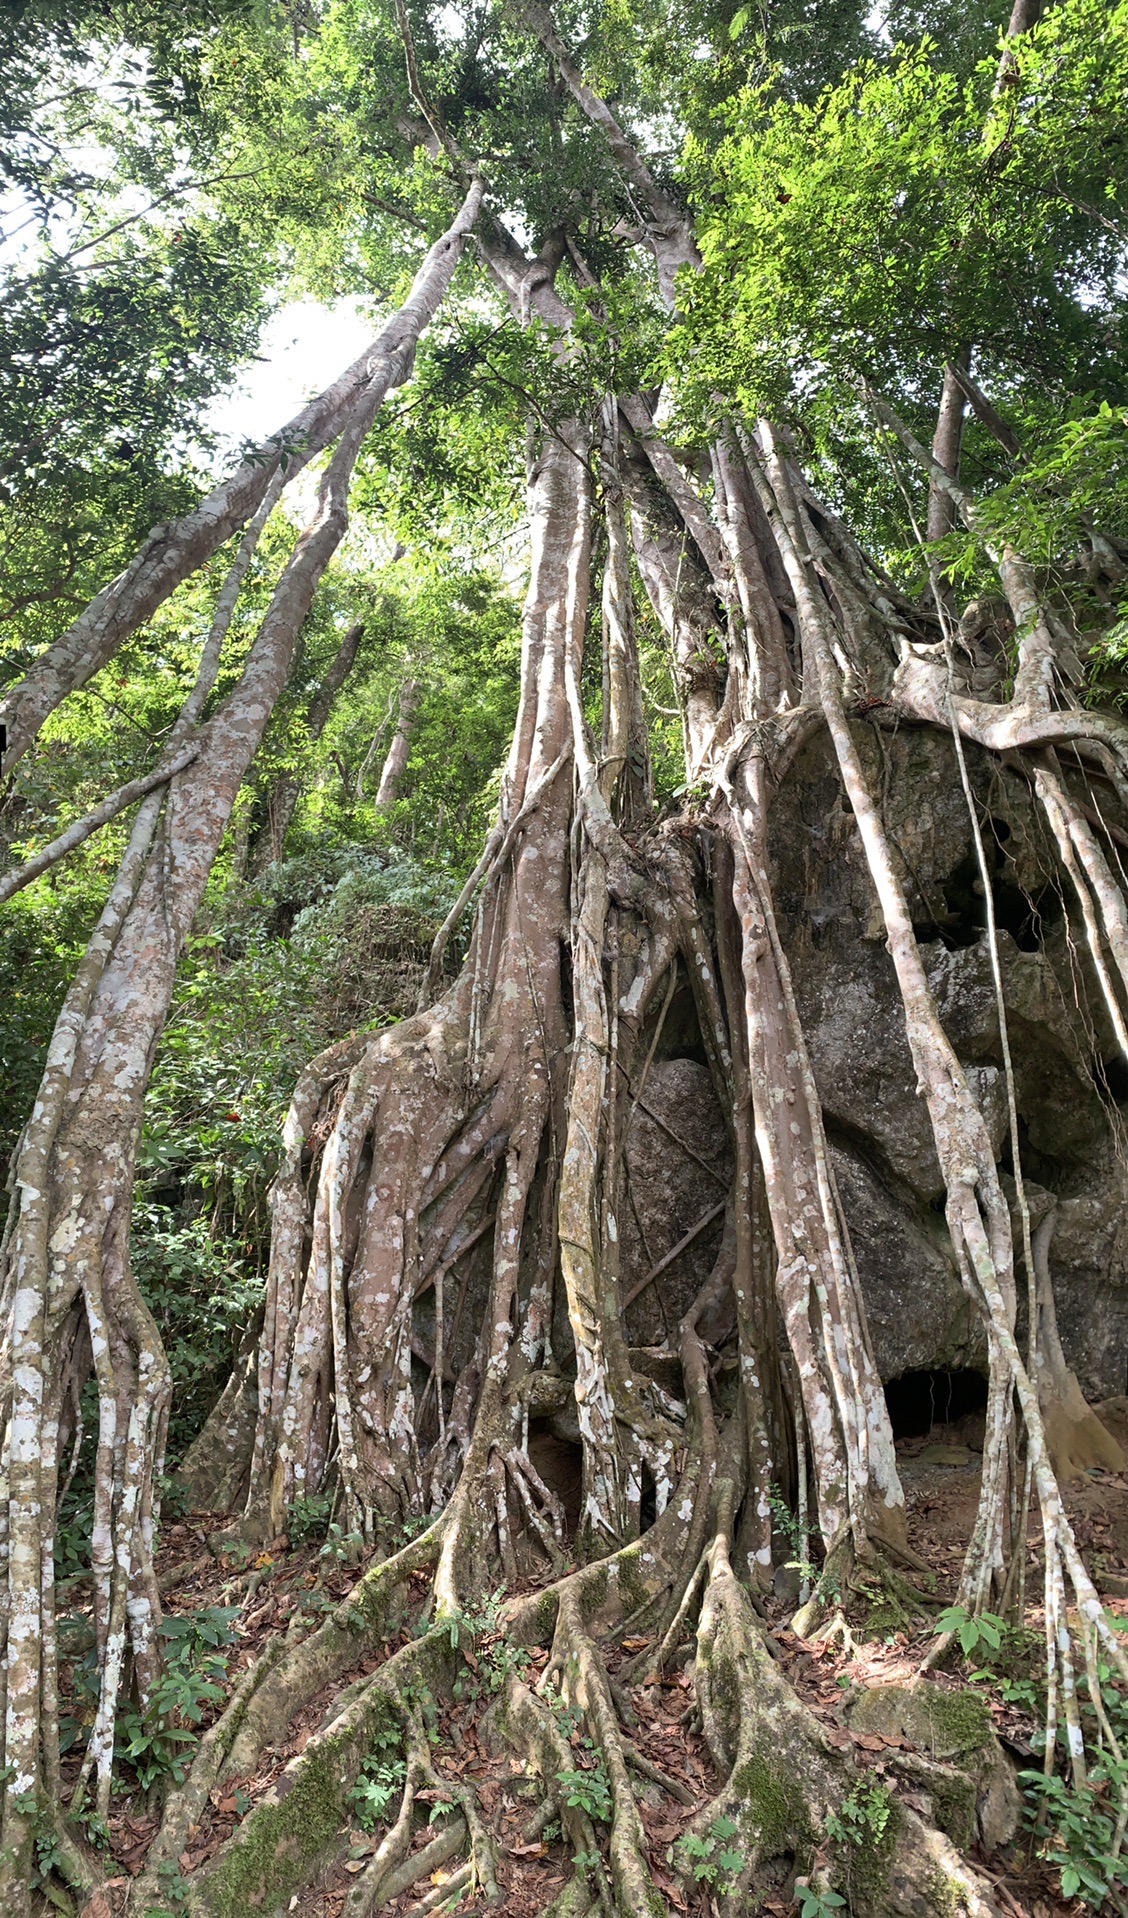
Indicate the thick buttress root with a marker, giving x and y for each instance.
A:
(783, 1777)
(778, 1775)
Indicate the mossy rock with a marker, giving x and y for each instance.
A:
(970, 1782)
(945, 1724)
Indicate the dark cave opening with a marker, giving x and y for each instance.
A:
(648, 1504)
(1027, 916)
(681, 1028)
(1111, 1076)
(918, 1401)
(560, 1463)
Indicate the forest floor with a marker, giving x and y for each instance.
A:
(940, 1473)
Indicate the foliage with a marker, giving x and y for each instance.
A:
(908, 209)
(914, 208)
(711, 1859)
(863, 1816)
(380, 1779)
(307, 1518)
(203, 1296)
(985, 1629)
(815, 1903)
(1078, 1830)
(191, 1684)
(588, 1789)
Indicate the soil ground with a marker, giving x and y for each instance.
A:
(940, 1473)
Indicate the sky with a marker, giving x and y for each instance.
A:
(303, 347)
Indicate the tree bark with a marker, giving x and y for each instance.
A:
(67, 1256)
(395, 763)
(286, 791)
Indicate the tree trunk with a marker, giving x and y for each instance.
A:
(395, 764)
(280, 806)
(69, 1295)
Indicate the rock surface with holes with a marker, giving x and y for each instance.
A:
(1069, 1126)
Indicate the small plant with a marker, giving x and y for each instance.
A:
(814, 1903)
(588, 1791)
(307, 1518)
(48, 1858)
(585, 1861)
(862, 1816)
(341, 1547)
(1079, 1827)
(153, 1741)
(985, 1629)
(174, 1891)
(380, 1780)
(711, 1859)
(827, 1586)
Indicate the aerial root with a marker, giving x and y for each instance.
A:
(585, 1683)
(541, 1505)
(354, 1626)
(294, 1828)
(185, 1806)
(394, 1868)
(526, 1722)
(378, 1888)
(365, 1895)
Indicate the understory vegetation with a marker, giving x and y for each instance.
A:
(564, 925)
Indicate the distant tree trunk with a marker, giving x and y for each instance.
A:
(395, 764)
(279, 808)
(947, 441)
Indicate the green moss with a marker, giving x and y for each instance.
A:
(280, 1846)
(945, 1896)
(945, 1724)
(775, 1814)
(959, 1721)
(867, 1864)
(953, 1802)
(593, 1592)
(286, 1835)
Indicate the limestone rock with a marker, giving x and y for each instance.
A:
(678, 1166)
(952, 1740)
(1070, 1131)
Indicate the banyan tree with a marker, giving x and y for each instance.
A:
(864, 980)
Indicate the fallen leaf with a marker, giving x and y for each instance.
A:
(528, 1851)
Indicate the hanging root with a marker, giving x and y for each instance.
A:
(296, 1828)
